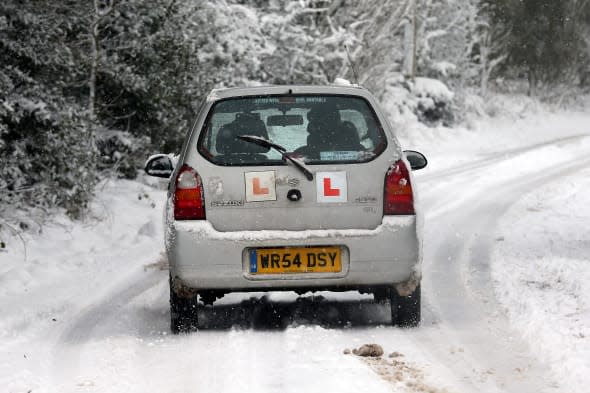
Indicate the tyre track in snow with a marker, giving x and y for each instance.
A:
(232, 335)
(115, 318)
(459, 187)
(457, 281)
(495, 157)
(460, 312)
(100, 318)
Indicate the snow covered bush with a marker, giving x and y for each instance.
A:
(423, 99)
(433, 100)
(126, 77)
(120, 152)
(47, 157)
(148, 77)
(46, 151)
(49, 130)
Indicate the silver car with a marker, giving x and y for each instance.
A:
(299, 188)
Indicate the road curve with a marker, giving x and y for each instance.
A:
(462, 213)
(280, 342)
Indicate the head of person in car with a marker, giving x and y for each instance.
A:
(327, 131)
(231, 149)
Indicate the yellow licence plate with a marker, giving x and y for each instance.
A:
(295, 260)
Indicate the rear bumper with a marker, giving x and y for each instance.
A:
(205, 259)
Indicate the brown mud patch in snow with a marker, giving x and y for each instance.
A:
(405, 376)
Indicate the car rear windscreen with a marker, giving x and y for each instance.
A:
(319, 129)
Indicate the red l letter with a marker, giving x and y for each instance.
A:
(256, 189)
(328, 190)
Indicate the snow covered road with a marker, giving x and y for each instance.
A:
(83, 316)
(462, 220)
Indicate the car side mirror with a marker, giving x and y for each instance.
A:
(159, 165)
(417, 160)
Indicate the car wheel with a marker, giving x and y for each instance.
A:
(405, 310)
(183, 312)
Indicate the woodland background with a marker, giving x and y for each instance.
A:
(88, 88)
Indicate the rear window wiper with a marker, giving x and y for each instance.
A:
(286, 156)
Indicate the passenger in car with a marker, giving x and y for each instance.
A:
(327, 132)
(233, 150)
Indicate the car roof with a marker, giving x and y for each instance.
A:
(353, 90)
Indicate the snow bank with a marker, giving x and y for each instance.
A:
(122, 210)
(541, 274)
(69, 265)
(422, 99)
(486, 136)
(431, 88)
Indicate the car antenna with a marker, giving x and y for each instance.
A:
(352, 66)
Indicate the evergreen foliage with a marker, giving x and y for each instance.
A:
(46, 156)
(548, 39)
(61, 130)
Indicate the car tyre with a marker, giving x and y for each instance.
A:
(183, 312)
(405, 310)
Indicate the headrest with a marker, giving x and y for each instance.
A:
(344, 138)
(325, 114)
(244, 124)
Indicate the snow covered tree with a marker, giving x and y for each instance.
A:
(489, 49)
(252, 42)
(309, 47)
(43, 136)
(87, 89)
(546, 39)
(377, 28)
(145, 78)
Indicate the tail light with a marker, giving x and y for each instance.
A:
(189, 201)
(398, 198)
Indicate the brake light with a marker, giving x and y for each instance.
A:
(189, 201)
(398, 197)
